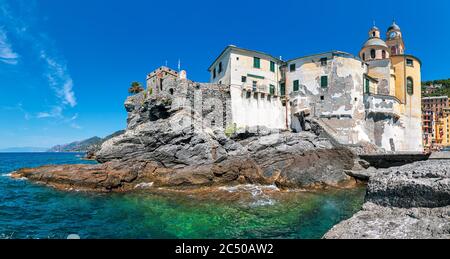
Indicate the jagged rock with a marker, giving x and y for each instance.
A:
(164, 131)
(378, 222)
(421, 184)
(411, 201)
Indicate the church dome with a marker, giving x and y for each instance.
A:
(394, 26)
(375, 42)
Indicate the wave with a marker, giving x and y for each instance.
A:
(257, 191)
(143, 185)
(10, 174)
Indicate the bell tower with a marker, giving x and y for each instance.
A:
(394, 40)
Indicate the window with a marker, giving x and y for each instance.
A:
(237, 58)
(220, 67)
(383, 54)
(214, 73)
(254, 85)
(373, 34)
(256, 62)
(322, 97)
(364, 56)
(296, 85)
(324, 81)
(272, 66)
(272, 89)
(323, 61)
(243, 79)
(393, 50)
(367, 85)
(292, 68)
(410, 86)
(372, 53)
(409, 62)
(283, 89)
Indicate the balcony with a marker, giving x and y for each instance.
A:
(382, 104)
(264, 89)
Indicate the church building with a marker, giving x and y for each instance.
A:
(373, 97)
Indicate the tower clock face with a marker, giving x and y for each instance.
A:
(393, 35)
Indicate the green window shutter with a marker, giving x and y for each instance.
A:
(256, 62)
(272, 89)
(367, 86)
(324, 81)
(296, 85)
(283, 89)
(272, 66)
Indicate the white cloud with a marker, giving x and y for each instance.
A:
(59, 79)
(22, 26)
(56, 112)
(75, 126)
(7, 54)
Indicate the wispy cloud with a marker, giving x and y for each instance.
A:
(59, 79)
(56, 112)
(18, 107)
(24, 29)
(7, 55)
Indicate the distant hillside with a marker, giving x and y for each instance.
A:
(444, 90)
(23, 150)
(85, 145)
(77, 146)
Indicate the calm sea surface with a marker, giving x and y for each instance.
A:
(32, 211)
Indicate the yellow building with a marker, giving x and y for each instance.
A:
(396, 75)
(442, 134)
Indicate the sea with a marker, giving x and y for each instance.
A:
(33, 211)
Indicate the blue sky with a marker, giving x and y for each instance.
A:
(65, 66)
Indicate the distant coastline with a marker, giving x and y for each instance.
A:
(24, 150)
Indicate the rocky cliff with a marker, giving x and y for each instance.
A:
(411, 201)
(169, 142)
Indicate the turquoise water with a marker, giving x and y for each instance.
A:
(32, 211)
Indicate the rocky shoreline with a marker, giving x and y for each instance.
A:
(159, 150)
(407, 202)
(168, 143)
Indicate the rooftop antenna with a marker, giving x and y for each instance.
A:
(374, 24)
(179, 65)
(166, 63)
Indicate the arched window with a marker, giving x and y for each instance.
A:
(394, 50)
(383, 53)
(364, 56)
(372, 53)
(410, 86)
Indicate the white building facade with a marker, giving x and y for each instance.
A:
(372, 98)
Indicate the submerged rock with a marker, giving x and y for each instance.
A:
(411, 201)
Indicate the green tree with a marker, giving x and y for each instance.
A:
(135, 88)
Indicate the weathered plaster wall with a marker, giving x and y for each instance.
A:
(381, 70)
(342, 100)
